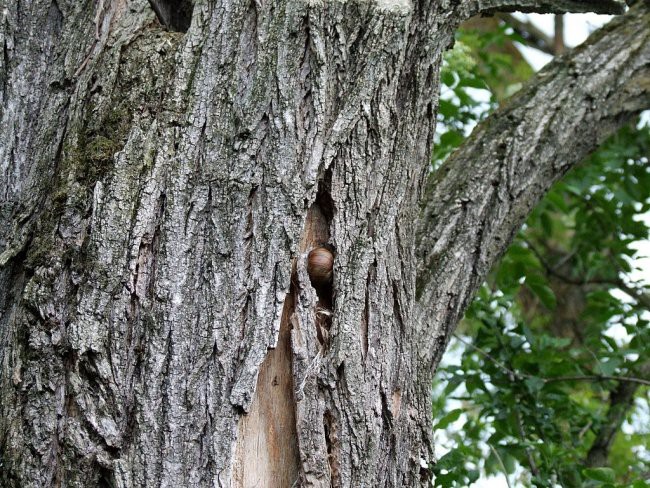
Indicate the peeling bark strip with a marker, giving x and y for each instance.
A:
(158, 197)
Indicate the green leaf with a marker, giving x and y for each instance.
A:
(473, 475)
(447, 109)
(641, 484)
(450, 418)
(534, 384)
(451, 138)
(543, 292)
(547, 224)
(447, 77)
(608, 367)
(474, 383)
(604, 475)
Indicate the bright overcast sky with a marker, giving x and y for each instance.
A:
(577, 28)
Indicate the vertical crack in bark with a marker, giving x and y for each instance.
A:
(365, 319)
(397, 309)
(267, 440)
(317, 234)
(333, 448)
(316, 306)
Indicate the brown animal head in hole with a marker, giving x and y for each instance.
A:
(320, 265)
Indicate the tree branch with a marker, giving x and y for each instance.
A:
(621, 401)
(479, 198)
(517, 376)
(558, 35)
(475, 7)
(642, 298)
(599, 377)
(534, 36)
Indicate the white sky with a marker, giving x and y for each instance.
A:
(577, 28)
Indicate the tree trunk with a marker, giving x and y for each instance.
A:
(160, 191)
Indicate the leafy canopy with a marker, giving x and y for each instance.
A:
(534, 388)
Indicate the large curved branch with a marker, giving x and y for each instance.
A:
(474, 7)
(480, 197)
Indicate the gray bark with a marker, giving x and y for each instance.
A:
(159, 193)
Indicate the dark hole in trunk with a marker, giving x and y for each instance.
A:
(176, 15)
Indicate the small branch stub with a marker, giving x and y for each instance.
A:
(320, 265)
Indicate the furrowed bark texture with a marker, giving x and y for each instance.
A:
(156, 189)
(548, 6)
(160, 191)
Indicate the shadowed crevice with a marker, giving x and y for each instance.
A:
(176, 15)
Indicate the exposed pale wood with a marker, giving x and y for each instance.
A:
(267, 448)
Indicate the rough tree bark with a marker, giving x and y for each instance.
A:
(160, 189)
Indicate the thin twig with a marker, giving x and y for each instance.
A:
(522, 435)
(503, 466)
(599, 377)
(513, 375)
(584, 430)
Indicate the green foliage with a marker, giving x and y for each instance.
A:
(559, 319)
(475, 75)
